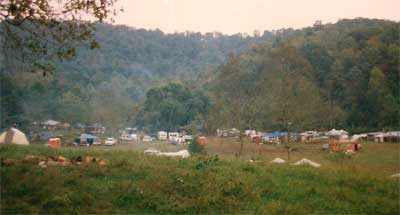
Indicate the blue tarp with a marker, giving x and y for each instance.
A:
(85, 137)
(279, 134)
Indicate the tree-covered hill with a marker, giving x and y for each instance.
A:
(344, 74)
(336, 75)
(105, 84)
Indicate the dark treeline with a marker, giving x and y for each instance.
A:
(335, 75)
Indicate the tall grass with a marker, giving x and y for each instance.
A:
(135, 183)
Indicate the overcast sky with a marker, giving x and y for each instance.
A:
(233, 16)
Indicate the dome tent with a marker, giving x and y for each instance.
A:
(13, 136)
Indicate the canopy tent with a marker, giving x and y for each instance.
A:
(13, 136)
(87, 138)
(279, 134)
(335, 132)
(50, 122)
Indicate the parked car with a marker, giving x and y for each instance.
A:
(110, 141)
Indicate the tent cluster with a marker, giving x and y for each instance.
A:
(379, 137)
(277, 137)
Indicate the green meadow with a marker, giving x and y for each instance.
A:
(221, 181)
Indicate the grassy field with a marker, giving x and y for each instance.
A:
(219, 182)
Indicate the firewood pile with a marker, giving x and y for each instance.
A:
(45, 161)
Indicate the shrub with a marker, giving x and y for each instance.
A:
(195, 147)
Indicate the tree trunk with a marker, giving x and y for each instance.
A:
(241, 144)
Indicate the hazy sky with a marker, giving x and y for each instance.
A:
(233, 16)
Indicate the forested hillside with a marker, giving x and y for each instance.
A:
(106, 84)
(335, 75)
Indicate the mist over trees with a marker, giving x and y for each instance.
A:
(335, 75)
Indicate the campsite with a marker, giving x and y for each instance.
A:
(77, 170)
(218, 182)
(199, 107)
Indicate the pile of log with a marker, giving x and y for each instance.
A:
(45, 161)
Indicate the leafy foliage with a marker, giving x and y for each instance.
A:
(334, 75)
(322, 77)
(195, 147)
(171, 107)
(107, 84)
(38, 32)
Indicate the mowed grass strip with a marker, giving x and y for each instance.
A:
(135, 183)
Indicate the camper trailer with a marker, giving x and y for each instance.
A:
(172, 136)
(344, 145)
(162, 135)
(129, 137)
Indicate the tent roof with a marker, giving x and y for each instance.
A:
(15, 136)
(87, 136)
(279, 134)
(50, 122)
(278, 160)
(335, 132)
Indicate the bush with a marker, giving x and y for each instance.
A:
(195, 147)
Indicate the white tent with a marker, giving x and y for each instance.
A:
(182, 153)
(395, 175)
(13, 136)
(278, 161)
(358, 136)
(152, 151)
(342, 134)
(162, 135)
(305, 161)
(50, 122)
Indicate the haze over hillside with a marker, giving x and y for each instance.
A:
(337, 62)
(231, 17)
